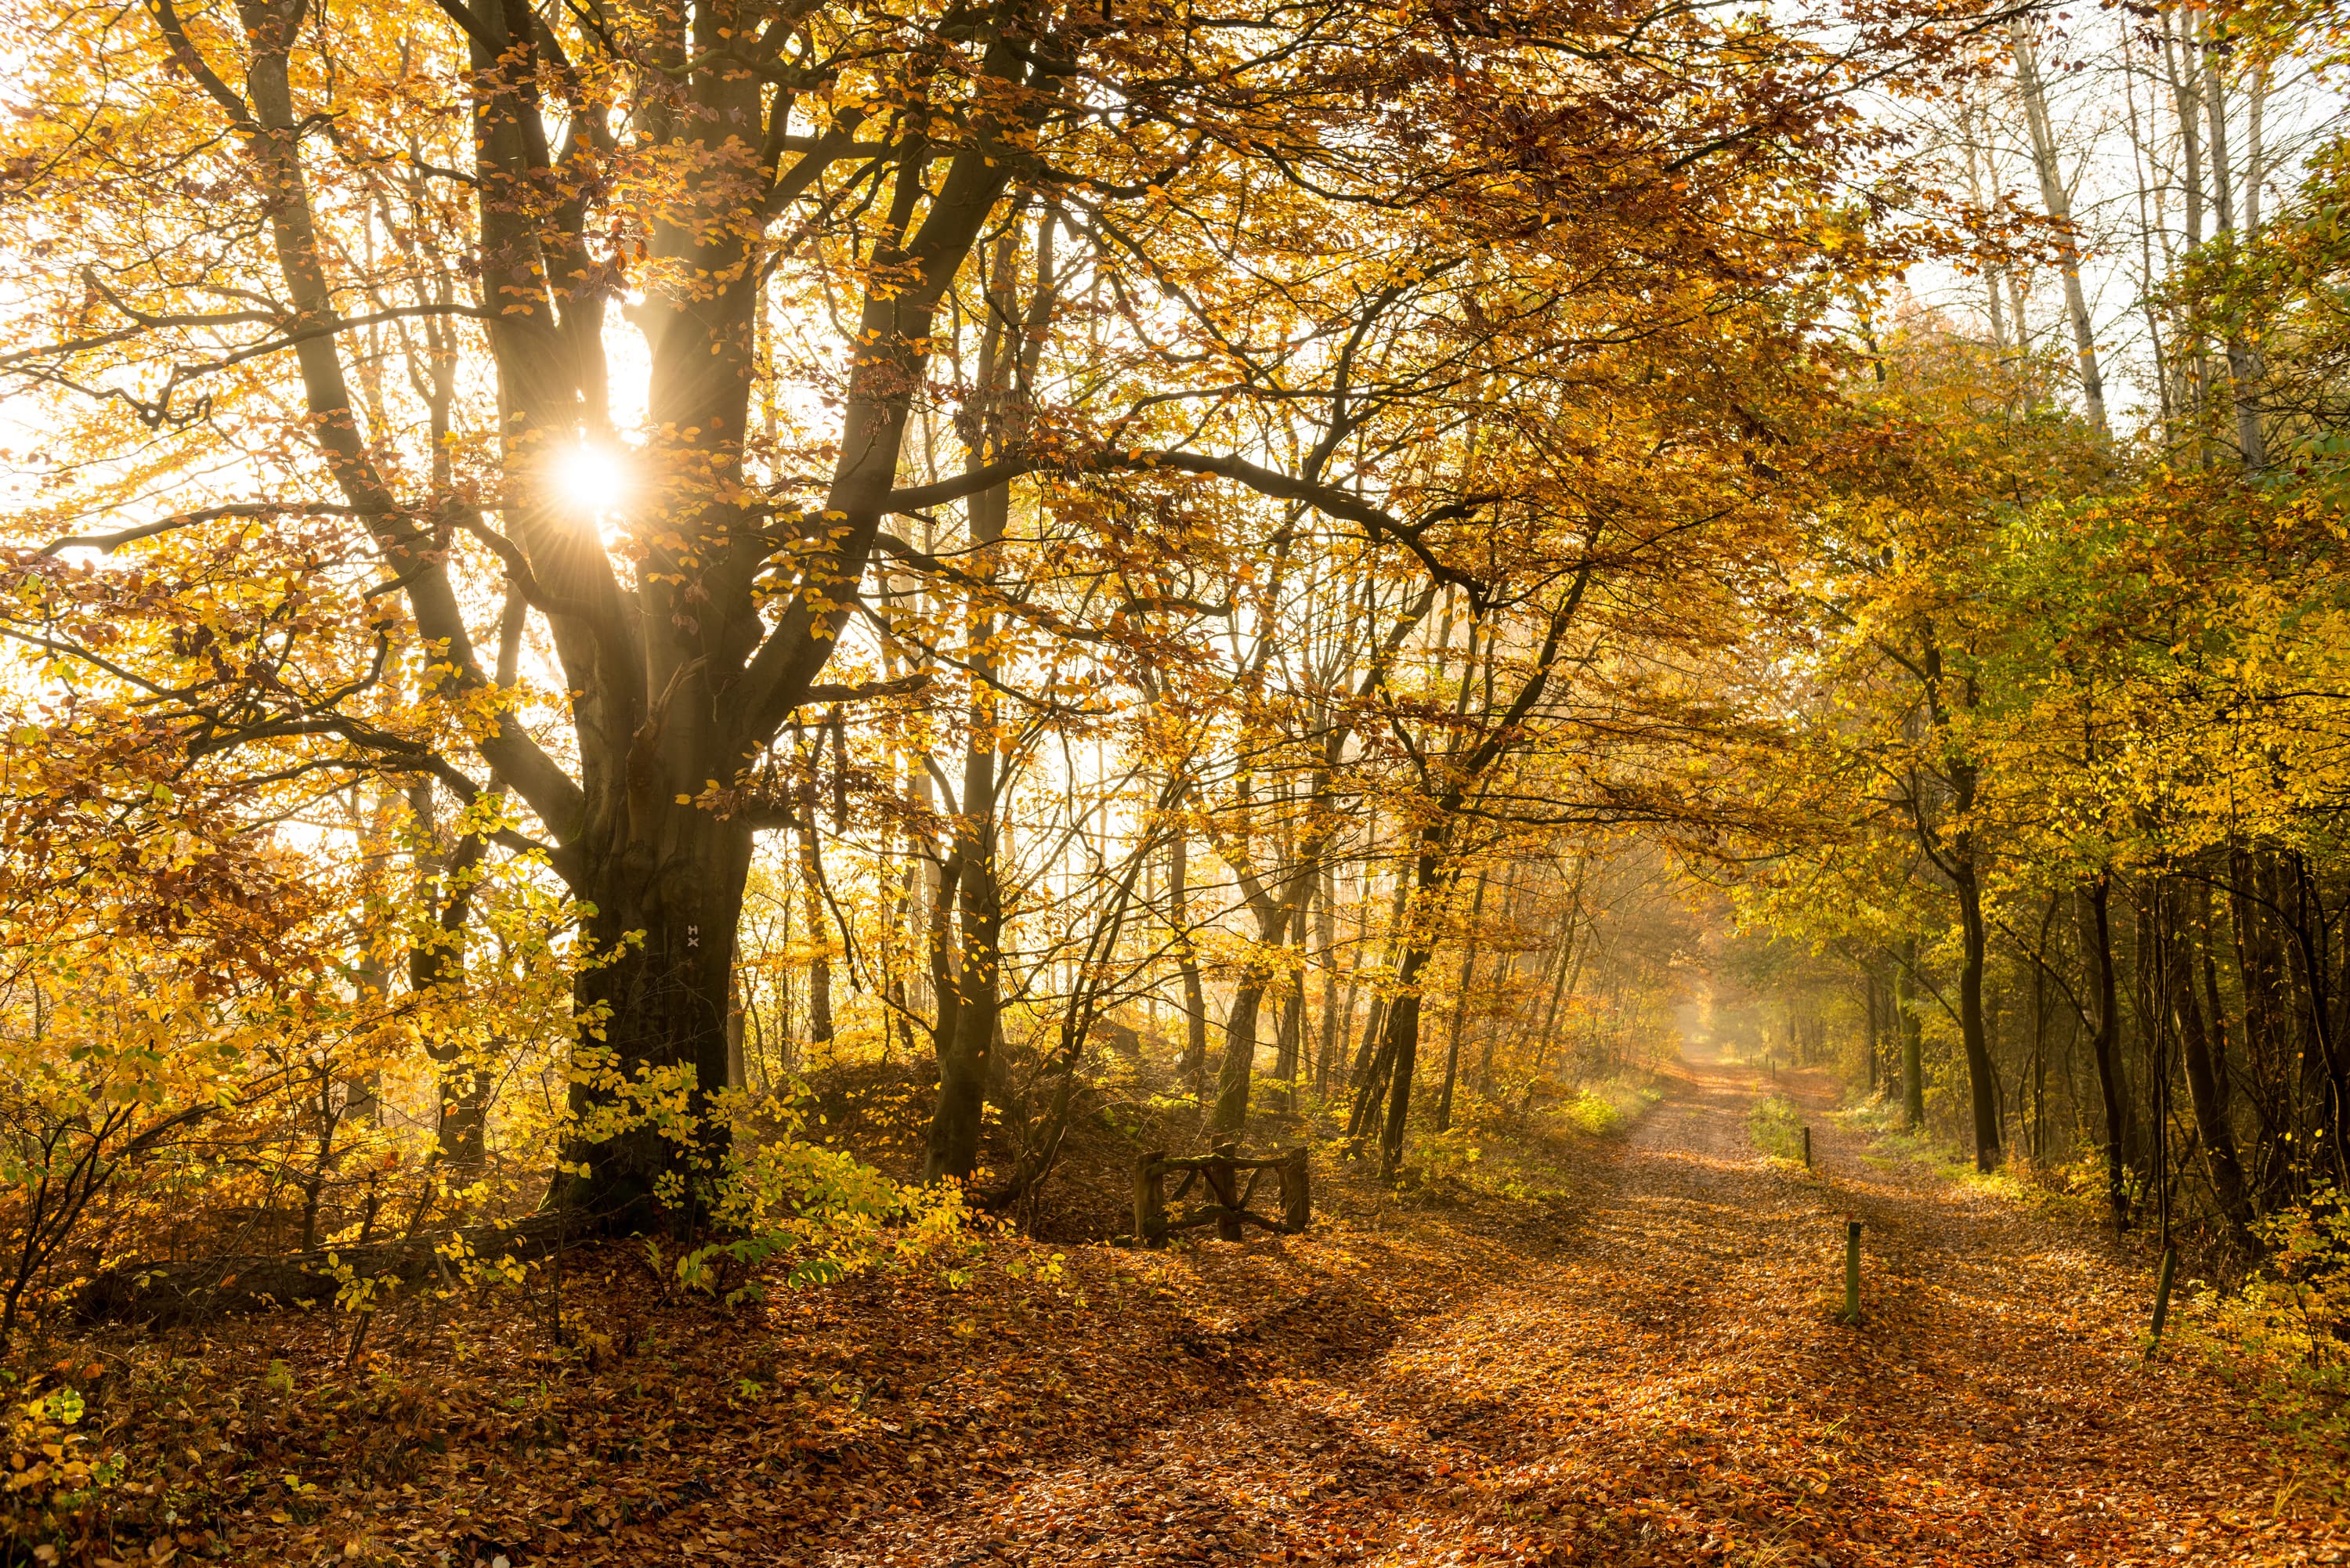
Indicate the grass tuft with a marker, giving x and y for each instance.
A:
(1777, 1128)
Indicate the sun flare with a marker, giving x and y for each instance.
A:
(593, 479)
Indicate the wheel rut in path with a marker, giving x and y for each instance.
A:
(1672, 1386)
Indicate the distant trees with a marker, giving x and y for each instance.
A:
(2069, 696)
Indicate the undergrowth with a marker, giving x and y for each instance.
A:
(2072, 1191)
(1608, 1107)
(2284, 1336)
(1518, 1156)
(2281, 1338)
(1777, 1128)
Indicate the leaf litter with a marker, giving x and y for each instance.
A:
(1652, 1372)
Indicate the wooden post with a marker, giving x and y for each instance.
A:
(1225, 1189)
(1150, 1200)
(1807, 1149)
(1296, 1193)
(2162, 1293)
(1852, 1271)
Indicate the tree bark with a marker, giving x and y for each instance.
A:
(1402, 1035)
(1461, 1007)
(1913, 1055)
(1237, 1072)
(654, 1016)
(2093, 907)
(2221, 1160)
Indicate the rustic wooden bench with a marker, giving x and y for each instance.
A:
(1227, 1208)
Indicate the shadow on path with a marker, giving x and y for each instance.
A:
(1671, 1386)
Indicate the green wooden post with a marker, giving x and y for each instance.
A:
(1852, 1271)
(2162, 1291)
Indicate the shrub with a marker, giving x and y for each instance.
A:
(2285, 1332)
(1777, 1128)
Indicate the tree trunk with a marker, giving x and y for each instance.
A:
(1966, 875)
(2220, 1157)
(2093, 903)
(1402, 1050)
(2251, 443)
(1869, 1000)
(1293, 1011)
(1195, 1065)
(1402, 1035)
(1983, 1090)
(1913, 1033)
(2055, 196)
(811, 870)
(1238, 1070)
(966, 1050)
(1326, 935)
(1461, 1008)
(653, 1017)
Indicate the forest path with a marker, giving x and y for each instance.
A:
(1673, 1388)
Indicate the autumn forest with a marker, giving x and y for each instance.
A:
(982, 782)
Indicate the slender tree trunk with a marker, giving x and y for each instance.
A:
(1235, 1073)
(2093, 905)
(1009, 348)
(1966, 873)
(1293, 1009)
(1461, 1008)
(2251, 443)
(1420, 928)
(1913, 1057)
(971, 977)
(1195, 1065)
(1403, 1053)
(2220, 1158)
(1326, 935)
(1868, 999)
(2179, 64)
(811, 872)
(2057, 198)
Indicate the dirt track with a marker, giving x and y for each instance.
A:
(1673, 1388)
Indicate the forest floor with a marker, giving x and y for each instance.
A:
(1637, 1362)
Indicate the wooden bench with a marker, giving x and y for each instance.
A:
(1227, 1208)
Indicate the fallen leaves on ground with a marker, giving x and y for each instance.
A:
(1656, 1377)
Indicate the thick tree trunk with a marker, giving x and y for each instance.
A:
(1237, 1072)
(652, 1009)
